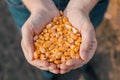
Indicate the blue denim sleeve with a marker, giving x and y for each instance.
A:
(97, 13)
(20, 13)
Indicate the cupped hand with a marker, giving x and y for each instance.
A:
(34, 25)
(81, 21)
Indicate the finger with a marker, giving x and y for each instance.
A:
(29, 48)
(88, 45)
(55, 71)
(27, 40)
(52, 66)
(64, 66)
(74, 62)
(58, 66)
(45, 68)
(34, 62)
(63, 71)
(40, 63)
(42, 68)
(25, 52)
(43, 65)
(77, 66)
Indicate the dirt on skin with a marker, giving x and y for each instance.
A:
(105, 63)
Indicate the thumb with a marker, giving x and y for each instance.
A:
(88, 45)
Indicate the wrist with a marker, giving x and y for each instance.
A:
(84, 5)
(45, 14)
(39, 5)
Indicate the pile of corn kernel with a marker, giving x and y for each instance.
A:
(58, 42)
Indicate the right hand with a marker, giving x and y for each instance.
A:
(34, 25)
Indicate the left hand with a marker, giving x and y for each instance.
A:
(81, 21)
(40, 16)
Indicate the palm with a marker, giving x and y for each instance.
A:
(81, 21)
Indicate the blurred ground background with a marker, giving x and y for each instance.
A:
(105, 63)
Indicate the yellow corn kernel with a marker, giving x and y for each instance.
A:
(50, 31)
(37, 47)
(55, 39)
(66, 53)
(68, 58)
(68, 23)
(79, 40)
(58, 55)
(36, 44)
(77, 56)
(36, 37)
(77, 43)
(57, 62)
(63, 58)
(60, 33)
(70, 40)
(46, 35)
(49, 26)
(72, 46)
(74, 30)
(45, 30)
(51, 60)
(39, 42)
(71, 51)
(76, 49)
(65, 19)
(51, 47)
(73, 36)
(36, 56)
(67, 43)
(61, 48)
(41, 37)
(47, 54)
(59, 29)
(55, 20)
(45, 45)
(47, 38)
(42, 49)
(61, 22)
(68, 27)
(42, 57)
(51, 56)
(42, 33)
(72, 54)
(61, 13)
